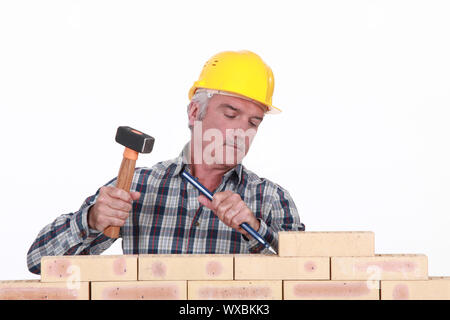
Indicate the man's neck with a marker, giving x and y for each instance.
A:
(209, 176)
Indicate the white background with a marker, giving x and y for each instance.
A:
(362, 143)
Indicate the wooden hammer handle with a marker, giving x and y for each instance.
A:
(124, 180)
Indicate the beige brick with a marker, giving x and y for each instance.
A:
(89, 268)
(326, 244)
(435, 288)
(139, 290)
(331, 290)
(186, 267)
(269, 267)
(235, 290)
(36, 290)
(380, 267)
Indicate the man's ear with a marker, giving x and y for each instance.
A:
(193, 111)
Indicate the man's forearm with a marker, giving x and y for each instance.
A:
(69, 234)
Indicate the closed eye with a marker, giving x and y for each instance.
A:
(255, 122)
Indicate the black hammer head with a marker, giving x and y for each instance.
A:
(134, 139)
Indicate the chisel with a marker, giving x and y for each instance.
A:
(244, 225)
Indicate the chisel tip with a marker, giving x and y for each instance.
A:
(272, 250)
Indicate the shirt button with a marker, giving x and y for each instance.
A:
(82, 234)
(197, 224)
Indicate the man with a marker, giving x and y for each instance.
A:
(163, 213)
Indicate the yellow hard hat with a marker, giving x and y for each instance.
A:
(242, 73)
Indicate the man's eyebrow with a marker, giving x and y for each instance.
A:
(224, 105)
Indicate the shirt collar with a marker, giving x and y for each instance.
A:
(182, 161)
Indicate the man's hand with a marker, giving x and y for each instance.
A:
(231, 210)
(111, 208)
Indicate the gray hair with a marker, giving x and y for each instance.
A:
(201, 97)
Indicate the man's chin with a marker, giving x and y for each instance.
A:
(233, 154)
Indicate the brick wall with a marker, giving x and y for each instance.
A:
(310, 265)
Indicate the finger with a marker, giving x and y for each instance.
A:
(246, 215)
(106, 221)
(239, 228)
(227, 204)
(220, 197)
(223, 208)
(205, 201)
(232, 212)
(113, 222)
(119, 194)
(233, 198)
(237, 220)
(117, 214)
(135, 195)
(117, 204)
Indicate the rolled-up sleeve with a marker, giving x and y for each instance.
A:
(68, 234)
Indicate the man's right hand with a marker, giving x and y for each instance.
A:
(111, 208)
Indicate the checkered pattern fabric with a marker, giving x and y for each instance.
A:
(168, 218)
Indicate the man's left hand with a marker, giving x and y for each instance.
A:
(231, 210)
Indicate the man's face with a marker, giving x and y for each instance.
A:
(228, 129)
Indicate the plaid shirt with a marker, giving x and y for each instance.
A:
(168, 218)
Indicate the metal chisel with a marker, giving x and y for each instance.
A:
(244, 225)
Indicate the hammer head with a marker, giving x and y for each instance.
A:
(134, 139)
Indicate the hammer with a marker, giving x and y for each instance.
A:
(135, 142)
